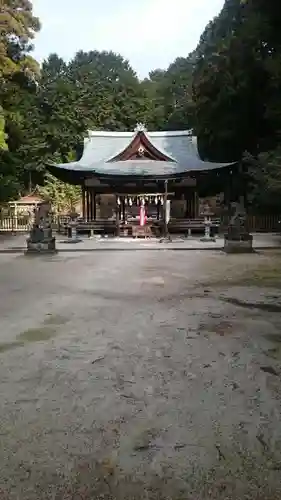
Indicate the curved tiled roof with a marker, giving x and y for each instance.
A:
(101, 147)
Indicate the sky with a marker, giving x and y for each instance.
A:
(149, 33)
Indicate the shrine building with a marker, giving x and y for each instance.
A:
(136, 167)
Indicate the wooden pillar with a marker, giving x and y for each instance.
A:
(117, 218)
(242, 189)
(228, 193)
(123, 209)
(94, 206)
(83, 202)
(195, 205)
(187, 212)
(165, 208)
(192, 205)
(88, 204)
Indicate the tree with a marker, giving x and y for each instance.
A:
(228, 90)
(109, 95)
(17, 70)
(264, 181)
(236, 90)
(3, 135)
(270, 14)
(63, 197)
(177, 94)
(235, 81)
(153, 96)
(18, 26)
(169, 96)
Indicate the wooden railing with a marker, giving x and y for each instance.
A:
(255, 223)
(17, 224)
(20, 223)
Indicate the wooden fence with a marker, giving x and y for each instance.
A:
(259, 223)
(255, 223)
(264, 223)
(20, 224)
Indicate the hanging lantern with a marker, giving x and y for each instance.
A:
(126, 201)
(162, 200)
(118, 201)
(130, 202)
(156, 200)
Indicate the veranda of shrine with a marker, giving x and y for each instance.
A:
(119, 171)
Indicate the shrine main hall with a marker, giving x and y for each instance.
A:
(126, 169)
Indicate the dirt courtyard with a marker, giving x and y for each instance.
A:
(140, 375)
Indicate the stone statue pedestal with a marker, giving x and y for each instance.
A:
(238, 239)
(240, 244)
(41, 241)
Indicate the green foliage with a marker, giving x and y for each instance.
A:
(18, 26)
(63, 197)
(229, 85)
(228, 90)
(264, 179)
(237, 89)
(169, 96)
(3, 135)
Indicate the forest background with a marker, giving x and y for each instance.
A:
(228, 90)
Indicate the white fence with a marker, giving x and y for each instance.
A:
(15, 224)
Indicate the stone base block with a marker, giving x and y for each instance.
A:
(72, 240)
(208, 239)
(44, 246)
(238, 246)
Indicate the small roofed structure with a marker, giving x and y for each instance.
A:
(138, 165)
(26, 204)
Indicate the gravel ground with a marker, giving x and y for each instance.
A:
(139, 375)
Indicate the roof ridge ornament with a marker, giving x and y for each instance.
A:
(140, 127)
